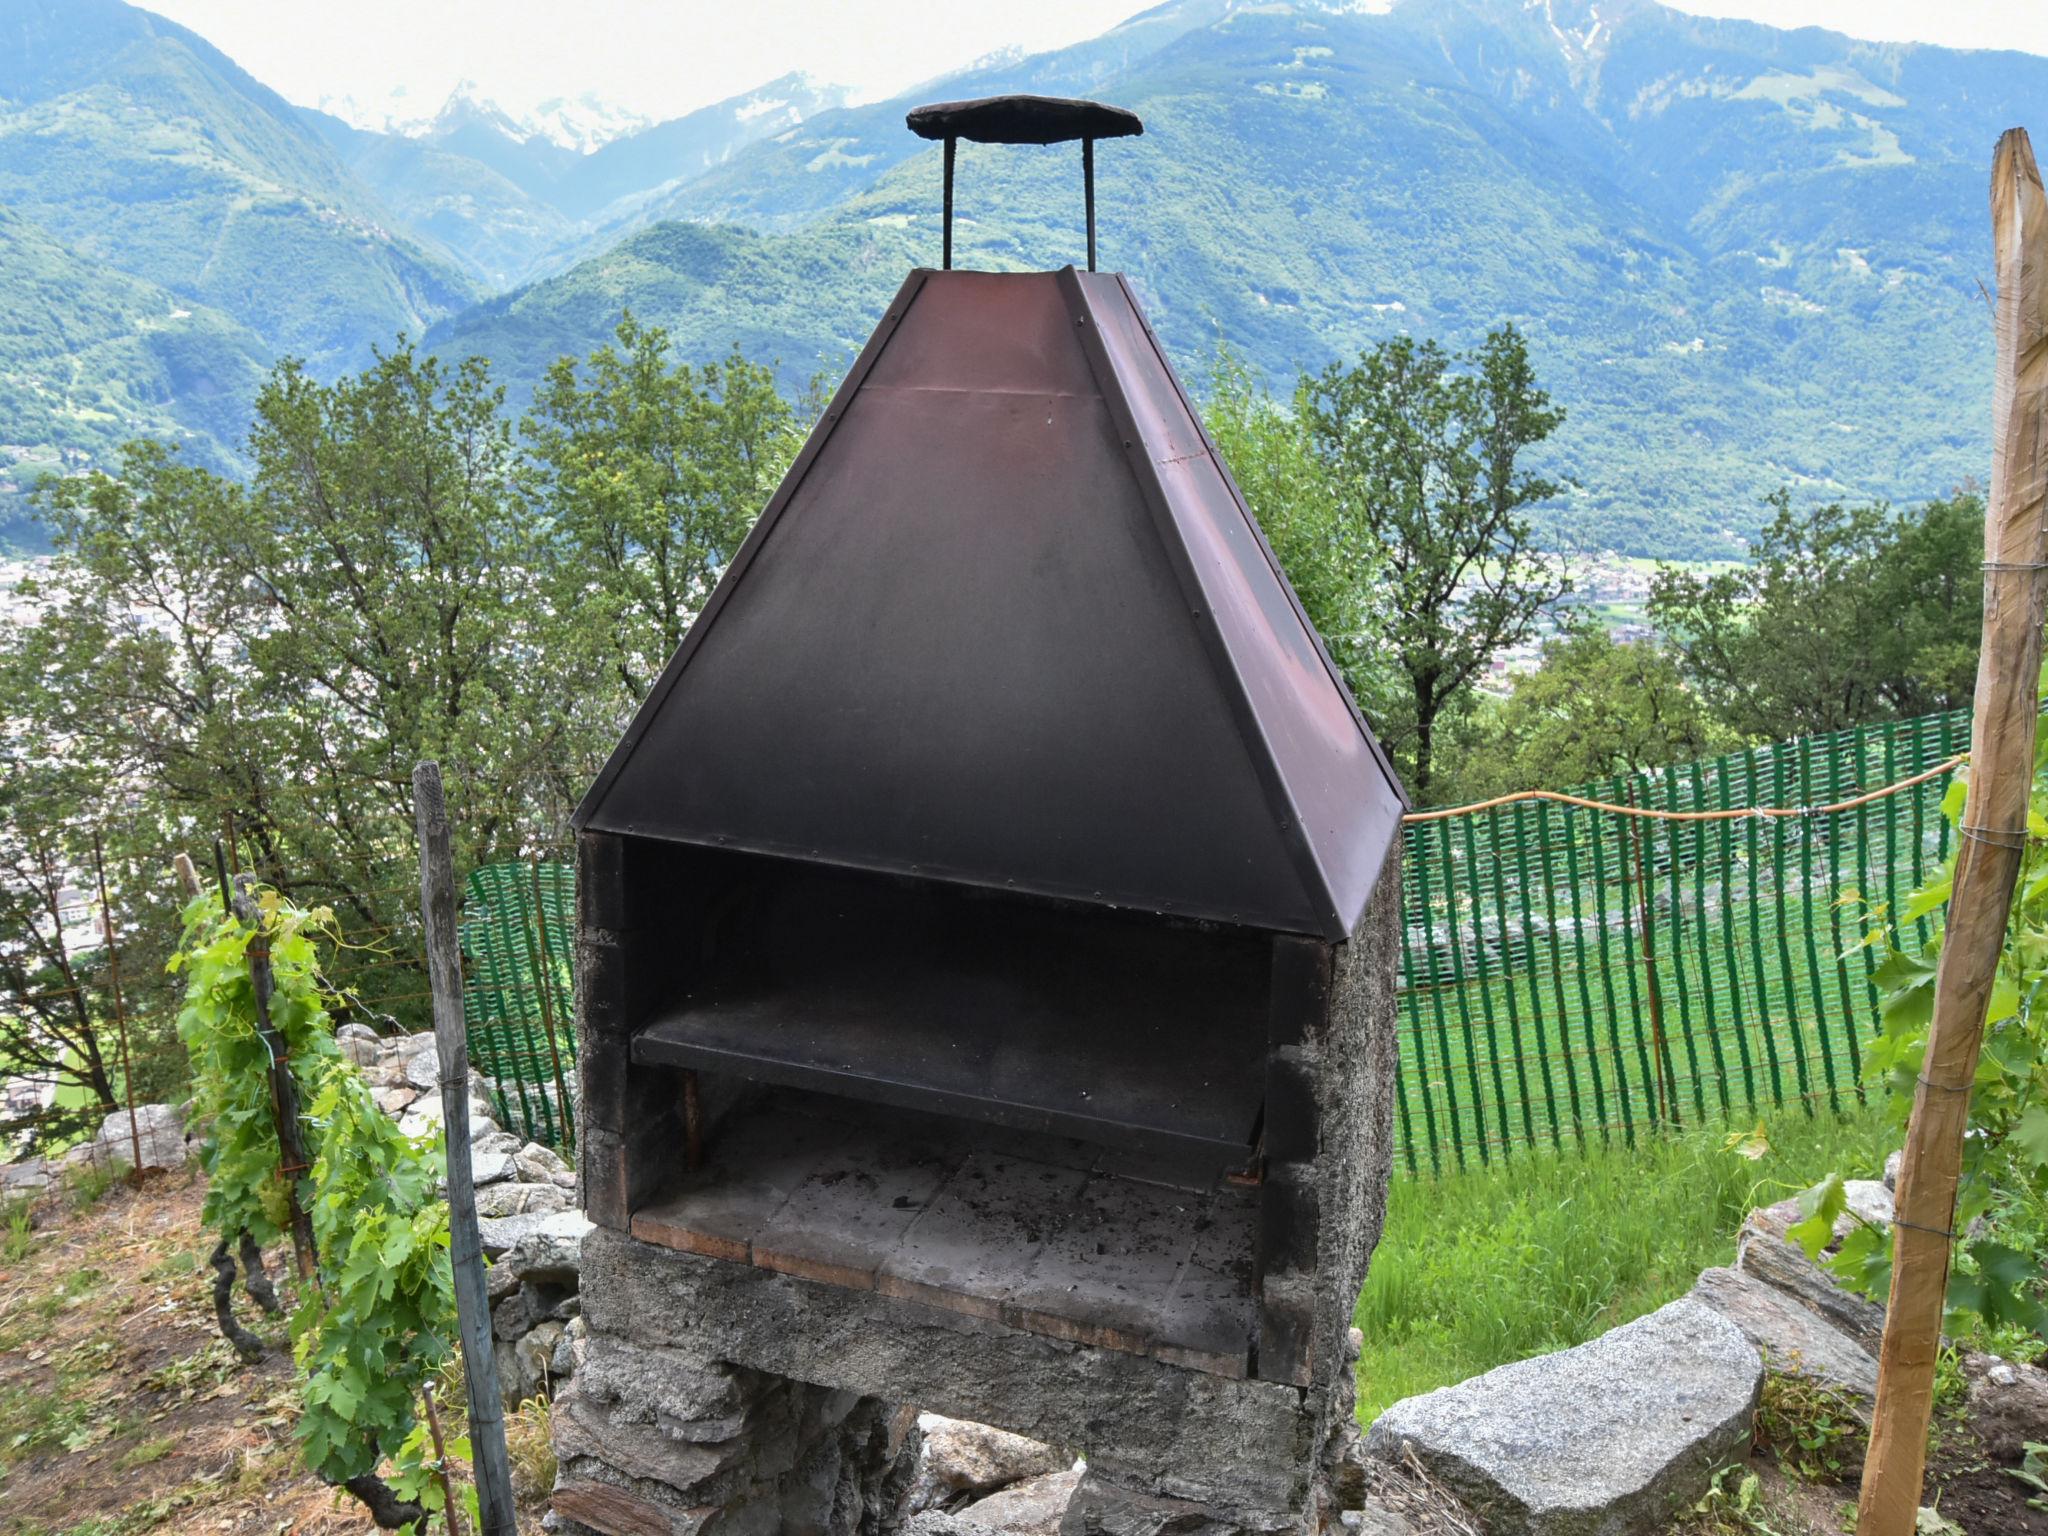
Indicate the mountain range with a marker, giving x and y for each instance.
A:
(582, 123)
(1745, 258)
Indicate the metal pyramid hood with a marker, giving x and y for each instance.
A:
(1008, 622)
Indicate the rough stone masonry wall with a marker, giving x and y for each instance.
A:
(1356, 1102)
(1244, 1445)
(651, 1442)
(526, 1201)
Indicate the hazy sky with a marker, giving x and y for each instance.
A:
(663, 57)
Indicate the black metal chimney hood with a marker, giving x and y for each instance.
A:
(1008, 622)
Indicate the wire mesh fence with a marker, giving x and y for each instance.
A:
(1576, 974)
(518, 934)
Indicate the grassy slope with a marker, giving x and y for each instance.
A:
(1480, 1268)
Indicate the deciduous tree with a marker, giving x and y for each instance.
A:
(285, 651)
(1594, 708)
(648, 472)
(1843, 615)
(55, 1035)
(1424, 451)
(1332, 560)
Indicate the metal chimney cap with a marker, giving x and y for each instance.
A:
(1023, 120)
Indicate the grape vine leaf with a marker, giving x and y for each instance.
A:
(1821, 1205)
(2030, 1135)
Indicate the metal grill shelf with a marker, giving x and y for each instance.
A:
(1102, 1055)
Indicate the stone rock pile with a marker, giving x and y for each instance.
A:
(527, 1212)
(973, 1480)
(649, 1441)
(1612, 1436)
(160, 1128)
(1618, 1434)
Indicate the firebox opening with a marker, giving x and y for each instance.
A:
(1116, 1028)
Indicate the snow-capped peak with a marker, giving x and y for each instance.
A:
(1583, 29)
(581, 123)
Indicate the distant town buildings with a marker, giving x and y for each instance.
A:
(1609, 589)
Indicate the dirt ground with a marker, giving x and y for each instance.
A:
(122, 1410)
(1967, 1483)
(1976, 1495)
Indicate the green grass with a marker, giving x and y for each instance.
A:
(1479, 1268)
(85, 1186)
(17, 1235)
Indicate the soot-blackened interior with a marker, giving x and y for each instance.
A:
(1114, 1027)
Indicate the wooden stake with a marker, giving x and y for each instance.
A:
(449, 1516)
(294, 1161)
(1988, 855)
(99, 869)
(1645, 910)
(465, 1246)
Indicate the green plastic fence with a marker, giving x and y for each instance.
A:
(518, 934)
(1569, 976)
(1574, 975)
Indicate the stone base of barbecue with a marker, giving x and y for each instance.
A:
(650, 1444)
(1104, 1507)
(705, 1381)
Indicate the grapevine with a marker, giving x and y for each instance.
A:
(377, 1319)
(2003, 1190)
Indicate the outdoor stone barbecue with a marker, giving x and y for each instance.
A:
(986, 961)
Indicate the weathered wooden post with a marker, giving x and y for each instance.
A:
(1988, 856)
(472, 1307)
(99, 869)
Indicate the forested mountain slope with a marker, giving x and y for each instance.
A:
(137, 144)
(1746, 258)
(144, 174)
(90, 357)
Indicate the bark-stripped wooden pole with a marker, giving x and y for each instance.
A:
(1645, 910)
(1988, 854)
(465, 1246)
(99, 869)
(450, 1517)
